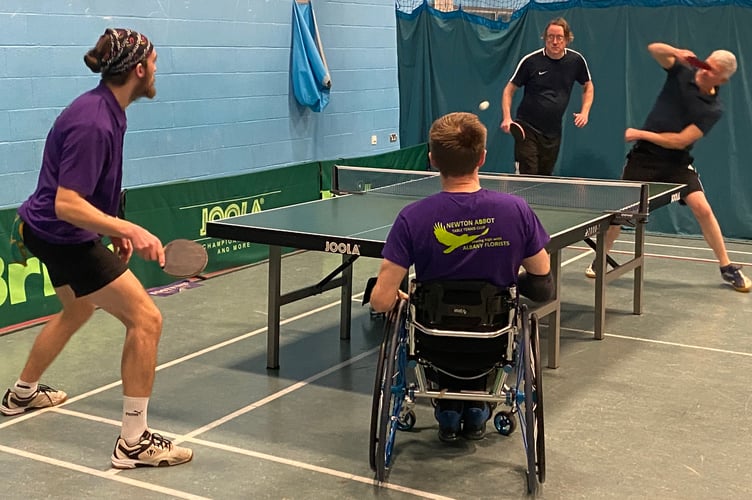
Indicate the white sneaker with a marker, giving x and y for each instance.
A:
(44, 397)
(152, 450)
(590, 272)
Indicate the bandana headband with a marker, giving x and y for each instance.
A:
(127, 49)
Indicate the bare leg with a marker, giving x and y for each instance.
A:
(56, 333)
(611, 235)
(126, 299)
(711, 231)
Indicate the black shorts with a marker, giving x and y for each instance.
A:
(646, 168)
(85, 267)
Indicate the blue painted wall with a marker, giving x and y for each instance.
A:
(224, 103)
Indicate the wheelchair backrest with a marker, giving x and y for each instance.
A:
(466, 305)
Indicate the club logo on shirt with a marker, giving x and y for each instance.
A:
(464, 234)
(343, 248)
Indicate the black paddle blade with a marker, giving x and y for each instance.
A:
(185, 258)
(517, 131)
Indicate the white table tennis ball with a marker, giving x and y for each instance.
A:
(484, 105)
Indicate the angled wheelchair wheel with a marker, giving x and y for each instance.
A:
(533, 400)
(540, 442)
(390, 391)
(376, 399)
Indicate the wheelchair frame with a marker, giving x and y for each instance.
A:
(395, 394)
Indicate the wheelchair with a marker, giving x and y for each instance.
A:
(466, 330)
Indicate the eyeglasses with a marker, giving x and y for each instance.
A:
(558, 38)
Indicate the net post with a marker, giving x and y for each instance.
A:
(335, 179)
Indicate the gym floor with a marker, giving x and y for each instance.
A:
(661, 408)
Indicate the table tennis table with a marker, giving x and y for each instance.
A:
(356, 222)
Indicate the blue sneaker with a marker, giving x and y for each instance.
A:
(733, 274)
(449, 414)
(474, 417)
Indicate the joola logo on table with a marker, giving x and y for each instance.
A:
(345, 248)
(591, 231)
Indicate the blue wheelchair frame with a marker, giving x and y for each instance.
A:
(395, 393)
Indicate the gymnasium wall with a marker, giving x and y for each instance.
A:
(224, 104)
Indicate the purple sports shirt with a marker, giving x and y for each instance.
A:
(84, 153)
(483, 235)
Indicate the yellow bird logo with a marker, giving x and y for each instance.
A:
(451, 240)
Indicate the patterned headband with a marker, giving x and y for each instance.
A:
(127, 49)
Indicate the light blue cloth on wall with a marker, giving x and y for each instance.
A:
(309, 73)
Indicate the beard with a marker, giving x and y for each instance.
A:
(145, 88)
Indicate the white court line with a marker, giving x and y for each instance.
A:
(703, 248)
(661, 256)
(277, 395)
(100, 474)
(323, 470)
(113, 473)
(664, 342)
(187, 357)
(190, 437)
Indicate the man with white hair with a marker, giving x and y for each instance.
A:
(686, 109)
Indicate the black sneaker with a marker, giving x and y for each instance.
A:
(474, 419)
(449, 415)
(44, 397)
(152, 450)
(733, 274)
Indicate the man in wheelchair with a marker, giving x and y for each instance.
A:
(464, 232)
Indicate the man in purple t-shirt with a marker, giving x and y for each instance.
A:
(62, 223)
(464, 232)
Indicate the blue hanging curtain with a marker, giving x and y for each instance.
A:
(309, 73)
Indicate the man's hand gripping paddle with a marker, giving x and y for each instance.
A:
(185, 258)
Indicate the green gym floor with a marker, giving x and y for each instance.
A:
(660, 409)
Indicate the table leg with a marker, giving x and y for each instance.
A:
(639, 272)
(345, 316)
(600, 282)
(273, 307)
(554, 321)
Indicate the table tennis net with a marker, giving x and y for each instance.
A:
(568, 193)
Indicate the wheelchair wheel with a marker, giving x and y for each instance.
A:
(540, 443)
(391, 389)
(376, 400)
(505, 423)
(533, 401)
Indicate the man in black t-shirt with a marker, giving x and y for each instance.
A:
(684, 112)
(548, 75)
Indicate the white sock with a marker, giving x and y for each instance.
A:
(134, 419)
(25, 389)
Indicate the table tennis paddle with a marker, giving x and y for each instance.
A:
(698, 63)
(517, 131)
(185, 258)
